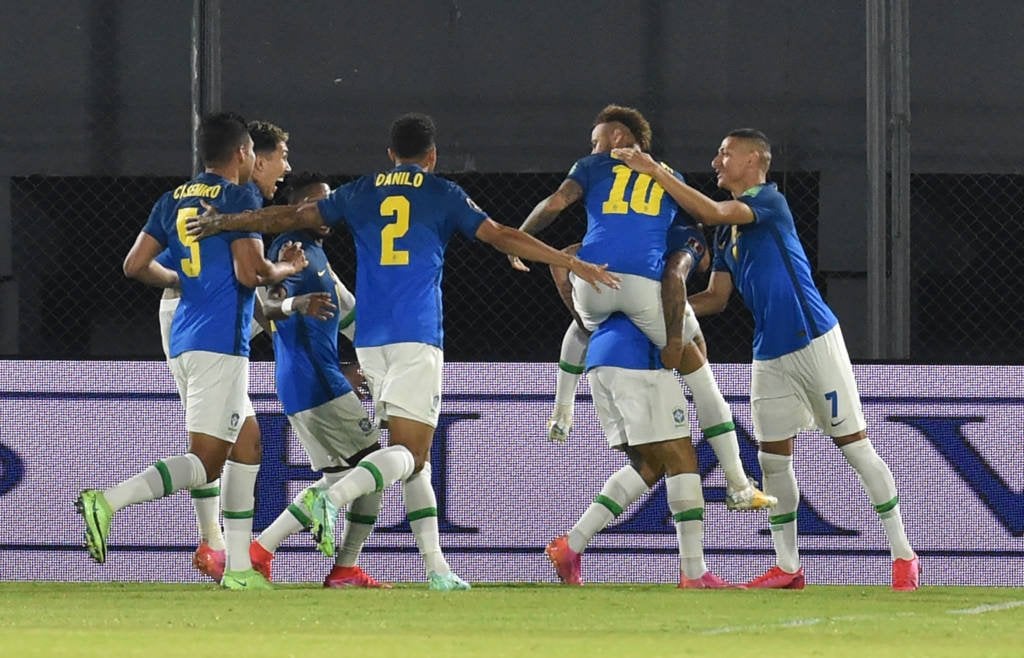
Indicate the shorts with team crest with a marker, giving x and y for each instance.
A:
(638, 406)
(214, 391)
(335, 432)
(404, 379)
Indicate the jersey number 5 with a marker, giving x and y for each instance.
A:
(645, 199)
(189, 266)
(397, 207)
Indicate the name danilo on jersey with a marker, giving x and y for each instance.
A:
(413, 179)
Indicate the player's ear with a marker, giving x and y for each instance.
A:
(392, 156)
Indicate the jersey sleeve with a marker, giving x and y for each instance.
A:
(465, 216)
(334, 207)
(154, 224)
(579, 173)
(763, 204)
(687, 239)
(718, 264)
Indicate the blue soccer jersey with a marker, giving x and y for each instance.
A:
(307, 372)
(401, 221)
(628, 215)
(771, 272)
(618, 342)
(684, 236)
(215, 312)
(254, 189)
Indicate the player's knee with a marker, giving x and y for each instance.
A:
(841, 441)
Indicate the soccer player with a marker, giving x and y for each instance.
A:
(209, 346)
(270, 145)
(643, 413)
(322, 407)
(627, 222)
(402, 221)
(801, 375)
(687, 254)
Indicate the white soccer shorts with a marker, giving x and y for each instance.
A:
(638, 297)
(335, 431)
(213, 389)
(812, 387)
(404, 379)
(638, 406)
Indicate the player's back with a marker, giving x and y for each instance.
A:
(215, 312)
(628, 215)
(307, 368)
(401, 221)
(618, 343)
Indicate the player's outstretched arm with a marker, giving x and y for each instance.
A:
(545, 212)
(274, 219)
(702, 208)
(252, 269)
(279, 305)
(518, 243)
(140, 263)
(715, 298)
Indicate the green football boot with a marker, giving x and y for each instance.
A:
(248, 579)
(447, 582)
(322, 513)
(96, 512)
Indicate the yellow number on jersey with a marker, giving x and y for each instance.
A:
(397, 207)
(645, 199)
(189, 266)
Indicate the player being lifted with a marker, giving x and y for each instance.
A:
(801, 376)
(209, 346)
(401, 221)
(322, 407)
(687, 254)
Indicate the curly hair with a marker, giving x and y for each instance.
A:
(297, 184)
(632, 119)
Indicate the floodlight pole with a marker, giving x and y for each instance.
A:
(206, 67)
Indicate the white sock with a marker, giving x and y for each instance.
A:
(238, 499)
(780, 481)
(717, 425)
(571, 363)
(161, 479)
(376, 472)
(346, 309)
(359, 522)
(206, 502)
(878, 482)
(620, 490)
(686, 502)
(421, 508)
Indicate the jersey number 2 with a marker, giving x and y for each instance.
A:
(397, 207)
(189, 266)
(640, 201)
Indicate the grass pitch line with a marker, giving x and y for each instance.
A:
(797, 623)
(982, 609)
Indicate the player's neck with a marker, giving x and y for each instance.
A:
(742, 187)
(415, 163)
(225, 173)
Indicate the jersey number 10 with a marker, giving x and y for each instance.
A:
(645, 199)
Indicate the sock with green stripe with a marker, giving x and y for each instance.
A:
(686, 502)
(716, 423)
(206, 503)
(620, 491)
(881, 488)
(570, 365)
(376, 472)
(421, 506)
(238, 499)
(780, 481)
(359, 521)
(161, 479)
(295, 518)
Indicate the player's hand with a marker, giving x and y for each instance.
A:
(594, 274)
(316, 305)
(293, 254)
(637, 160)
(205, 225)
(672, 353)
(517, 263)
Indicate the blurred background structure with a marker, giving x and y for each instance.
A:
(897, 128)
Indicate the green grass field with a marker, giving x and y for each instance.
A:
(57, 619)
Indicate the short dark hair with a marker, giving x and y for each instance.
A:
(412, 135)
(760, 141)
(632, 119)
(265, 136)
(220, 135)
(296, 184)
